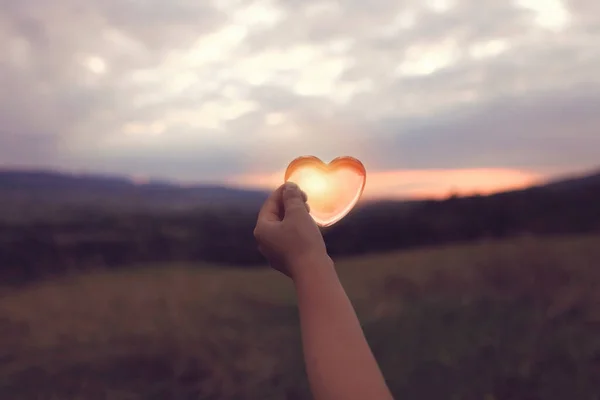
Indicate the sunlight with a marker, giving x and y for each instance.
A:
(96, 64)
(427, 59)
(144, 129)
(322, 8)
(404, 20)
(418, 183)
(261, 13)
(440, 6)
(550, 14)
(210, 115)
(314, 183)
(489, 49)
(274, 119)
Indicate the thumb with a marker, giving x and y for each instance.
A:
(293, 199)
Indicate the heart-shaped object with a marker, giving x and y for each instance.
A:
(332, 189)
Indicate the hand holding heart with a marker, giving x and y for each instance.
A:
(286, 233)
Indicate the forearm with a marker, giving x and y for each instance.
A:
(339, 362)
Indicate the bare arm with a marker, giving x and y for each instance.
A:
(339, 362)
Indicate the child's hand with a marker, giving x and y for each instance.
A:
(286, 233)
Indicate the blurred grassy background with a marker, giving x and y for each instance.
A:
(495, 320)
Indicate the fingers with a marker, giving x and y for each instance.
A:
(294, 199)
(305, 199)
(272, 208)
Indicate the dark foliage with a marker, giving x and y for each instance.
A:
(93, 236)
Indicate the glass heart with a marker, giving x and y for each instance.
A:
(332, 189)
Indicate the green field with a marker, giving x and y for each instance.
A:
(518, 319)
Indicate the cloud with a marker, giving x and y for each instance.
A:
(212, 90)
(540, 132)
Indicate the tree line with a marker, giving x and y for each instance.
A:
(101, 238)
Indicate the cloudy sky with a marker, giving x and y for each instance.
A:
(432, 96)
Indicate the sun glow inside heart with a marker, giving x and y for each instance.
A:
(315, 183)
(332, 189)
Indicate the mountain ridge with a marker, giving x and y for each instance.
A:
(39, 185)
(23, 189)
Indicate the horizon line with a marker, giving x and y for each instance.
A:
(139, 180)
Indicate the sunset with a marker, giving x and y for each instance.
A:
(412, 184)
(226, 89)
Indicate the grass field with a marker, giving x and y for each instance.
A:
(518, 319)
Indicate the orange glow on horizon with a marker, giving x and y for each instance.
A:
(414, 184)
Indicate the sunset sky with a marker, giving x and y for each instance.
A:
(433, 96)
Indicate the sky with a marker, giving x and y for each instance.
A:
(433, 96)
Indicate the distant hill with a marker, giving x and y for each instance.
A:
(34, 194)
(27, 195)
(53, 222)
(27, 191)
(576, 182)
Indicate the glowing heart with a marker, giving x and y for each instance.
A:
(332, 189)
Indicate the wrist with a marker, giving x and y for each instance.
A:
(310, 263)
